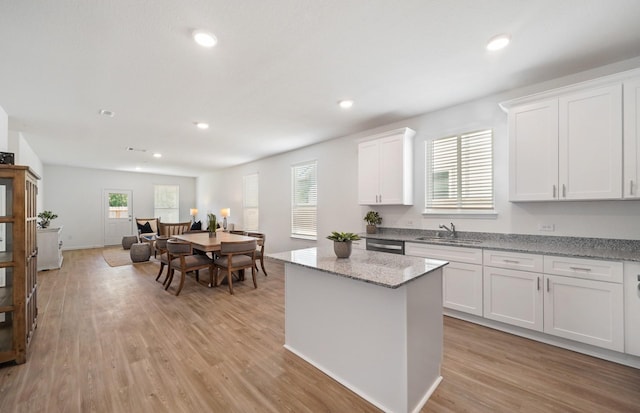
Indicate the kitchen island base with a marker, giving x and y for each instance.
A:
(384, 344)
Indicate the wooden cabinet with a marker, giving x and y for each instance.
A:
(581, 307)
(632, 308)
(513, 291)
(567, 146)
(461, 278)
(630, 187)
(49, 248)
(385, 169)
(18, 261)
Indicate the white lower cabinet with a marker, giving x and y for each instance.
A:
(514, 297)
(584, 310)
(461, 278)
(632, 308)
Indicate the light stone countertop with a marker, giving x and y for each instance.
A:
(596, 248)
(380, 268)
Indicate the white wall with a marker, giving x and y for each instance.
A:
(75, 194)
(24, 155)
(337, 182)
(4, 130)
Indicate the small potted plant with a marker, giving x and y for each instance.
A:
(373, 219)
(213, 224)
(45, 218)
(342, 243)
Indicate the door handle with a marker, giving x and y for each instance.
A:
(538, 283)
(564, 191)
(548, 285)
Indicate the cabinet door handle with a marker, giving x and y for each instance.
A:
(631, 187)
(580, 269)
(512, 261)
(554, 191)
(548, 285)
(564, 191)
(538, 278)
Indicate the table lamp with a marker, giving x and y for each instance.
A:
(225, 212)
(193, 212)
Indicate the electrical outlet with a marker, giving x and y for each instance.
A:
(546, 227)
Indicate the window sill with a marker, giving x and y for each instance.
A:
(307, 237)
(461, 213)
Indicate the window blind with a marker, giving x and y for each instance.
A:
(460, 172)
(166, 202)
(304, 200)
(250, 202)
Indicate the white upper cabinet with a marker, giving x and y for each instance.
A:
(385, 169)
(533, 151)
(590, 151)
(567, 144)
(567, 148)
(630, 186)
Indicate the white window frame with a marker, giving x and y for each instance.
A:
(304, 215)
(167, 209)
(458, 208)
(250, 202)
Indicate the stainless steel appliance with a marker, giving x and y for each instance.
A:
(385, 245)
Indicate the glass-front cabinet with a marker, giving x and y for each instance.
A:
(18, 261)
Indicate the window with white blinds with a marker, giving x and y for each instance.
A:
(166, 202)
(304, 200)
(250, 202)
(460, 173)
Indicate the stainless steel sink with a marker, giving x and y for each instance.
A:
(454, 241)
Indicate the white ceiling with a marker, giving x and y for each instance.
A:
(273, 81)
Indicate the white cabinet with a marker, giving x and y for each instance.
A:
(568, 146)
(461, 278)
(580, 307)
(631, 132)
(49, 248)
(533, 151)
(513, 292)
(590, 136)
(632, 308)
(385, 169)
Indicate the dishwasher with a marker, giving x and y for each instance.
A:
(385, 245)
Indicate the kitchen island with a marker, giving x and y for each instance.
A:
(372, 322)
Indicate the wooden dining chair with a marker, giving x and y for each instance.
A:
(260, 250)
(160, 252)
(236, 256)
(181, 258)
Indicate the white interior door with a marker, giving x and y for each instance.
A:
(118, 218)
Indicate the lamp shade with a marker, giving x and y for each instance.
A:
(225, 212)
(193, 212)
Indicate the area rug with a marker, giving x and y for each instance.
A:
(118, 256)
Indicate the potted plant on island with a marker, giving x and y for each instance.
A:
(45, 218)
(373, 219)
(342, 243)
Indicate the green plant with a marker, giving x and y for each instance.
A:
(213, 223)
(343, 236)
(373, 218)
(46, 217)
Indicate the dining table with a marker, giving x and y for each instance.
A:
(203, 241)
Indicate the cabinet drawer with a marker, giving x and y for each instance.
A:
(513, 260)
(600, 270)
(444, 252)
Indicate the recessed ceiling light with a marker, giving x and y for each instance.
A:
(157, 155)
(498, 42)
(345, 104)
(204, 38)
(107, 113)
(202, 125)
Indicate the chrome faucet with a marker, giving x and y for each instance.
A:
(451, 230)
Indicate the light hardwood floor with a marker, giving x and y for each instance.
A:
(112, 340)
